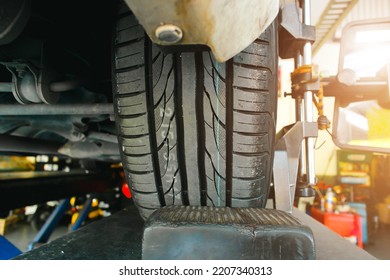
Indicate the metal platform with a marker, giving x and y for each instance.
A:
(119, 237)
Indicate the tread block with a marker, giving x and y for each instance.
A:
(136, 146)
(134, 126)
(247, 189)
(252, 101)
(138, 164)
(253, 79)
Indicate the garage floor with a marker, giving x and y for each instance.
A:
(379, 243)
(22, 233)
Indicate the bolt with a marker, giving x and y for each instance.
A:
(77, 136)
(169, 33)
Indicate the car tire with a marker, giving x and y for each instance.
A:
(193, 131)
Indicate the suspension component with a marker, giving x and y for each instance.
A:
(31, 85)
(40, 81)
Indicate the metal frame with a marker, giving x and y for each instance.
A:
(331, 18)
(289, 149)
(55, 217)
(293, 34)
(7, 249)
(287, 156)
(50, 224)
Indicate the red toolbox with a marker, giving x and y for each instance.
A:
(346, 224)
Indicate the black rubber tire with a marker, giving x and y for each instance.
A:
(193, 131)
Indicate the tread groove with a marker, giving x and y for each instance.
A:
(250, 89)
(252, 67)
(128, 43)
(229, 131)
(178, 95)
(261, 42)
(151, 121)
(200, 123)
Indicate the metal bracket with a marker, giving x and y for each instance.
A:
(293, 34)
(305, 78)
(286, 162)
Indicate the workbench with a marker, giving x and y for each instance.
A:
(119, 237)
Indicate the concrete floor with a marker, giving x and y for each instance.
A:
(21, 235)
(379, 242)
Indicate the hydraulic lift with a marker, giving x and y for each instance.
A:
(119, 237)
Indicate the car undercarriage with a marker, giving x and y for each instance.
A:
(55, 80)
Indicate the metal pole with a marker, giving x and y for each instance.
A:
(5, 87)
(60, 86)
(83, 215)
(298, 99)
(11, 143)
(308, 100)
(299, 112)
(57, 109)
(47, 229)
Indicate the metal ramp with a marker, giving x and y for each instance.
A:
(334, 13)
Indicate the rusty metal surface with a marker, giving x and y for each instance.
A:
(225, 26)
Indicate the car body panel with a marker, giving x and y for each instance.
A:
(225, 26)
